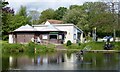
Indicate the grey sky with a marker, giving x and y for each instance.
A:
(41, 5)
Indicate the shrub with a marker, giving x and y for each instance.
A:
(69, 43)
(79, 44)
(31, 47)
(50, 49)
(6, 47)
(41, 48)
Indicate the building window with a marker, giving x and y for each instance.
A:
(53, 36)
(74, 36)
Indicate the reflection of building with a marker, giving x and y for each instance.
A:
(19, 62)
(24, 61)
(38, 60)
(58, 58)
(69, 61)
(72, 58)
(48, 32)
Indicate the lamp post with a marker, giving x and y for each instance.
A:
(94, 34)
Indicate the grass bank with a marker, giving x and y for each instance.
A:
(26, 48)
(92, 46)
(31, 47)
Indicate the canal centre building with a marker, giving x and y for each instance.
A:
(52, 31)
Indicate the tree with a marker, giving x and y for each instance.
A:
(76, 16)
(21, 18)
(7, 14)
(47, 14)
(60, 13)
(12, 21)
(22, 11)
(99, 16)
(34, 16)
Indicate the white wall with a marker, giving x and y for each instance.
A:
(69, 30)
(75, 32)
(10, 38)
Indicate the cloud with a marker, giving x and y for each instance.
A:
(41, 5)
(49, 0)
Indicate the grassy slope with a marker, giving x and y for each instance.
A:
(30, 47)
(93, 46)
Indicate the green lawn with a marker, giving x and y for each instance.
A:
(93, 46)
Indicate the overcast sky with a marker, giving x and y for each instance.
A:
(41, 5)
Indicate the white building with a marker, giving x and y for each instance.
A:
(52, 31)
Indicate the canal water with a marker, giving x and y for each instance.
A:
(62, 61)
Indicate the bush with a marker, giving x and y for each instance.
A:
(41, 48)
(6, 47)
(31, 47)
(50, 49)
(79, 44)
(69, 43)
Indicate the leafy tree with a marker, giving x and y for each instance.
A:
(21, 18)
(76, 16)
(75, 7)
(99, 16)
(22, 11)
(73, 16)
(47, 14)
(60, 13)
(6, 15)
(10, 21)
(34, 16)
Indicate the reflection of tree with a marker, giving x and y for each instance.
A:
(15, 62)
(110, 59)
(69, 55)
(5, 63)
(63, 59)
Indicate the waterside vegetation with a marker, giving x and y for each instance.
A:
(37, 48)
(24, 48)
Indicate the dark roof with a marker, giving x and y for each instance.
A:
(55, 21)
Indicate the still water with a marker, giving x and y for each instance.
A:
(62, 61)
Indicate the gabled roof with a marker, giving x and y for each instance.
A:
(25, 28)
(55, 21)
(50, 28)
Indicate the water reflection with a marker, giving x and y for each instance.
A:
(63, 61)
